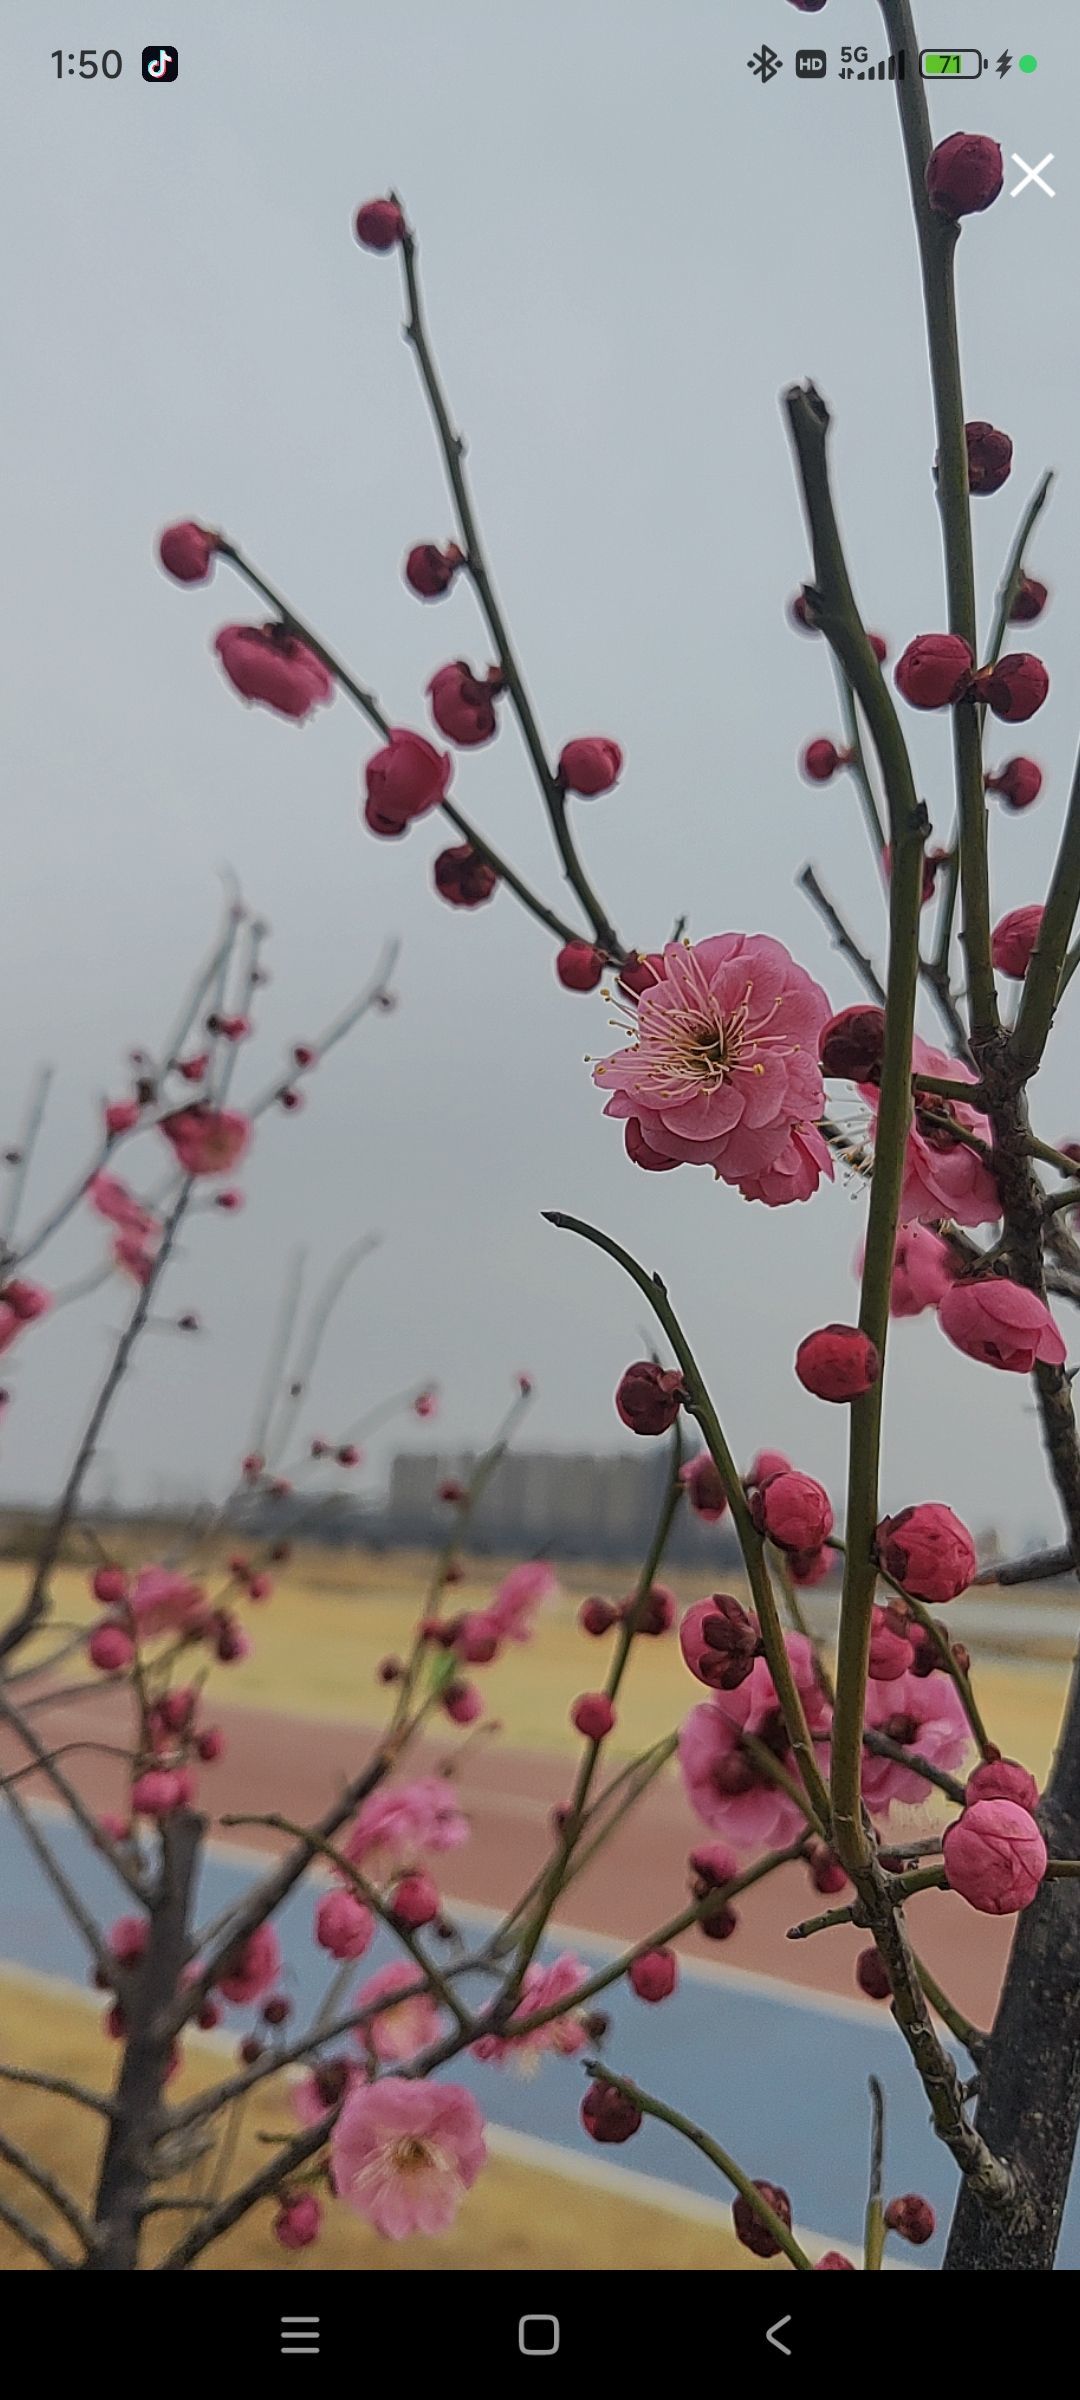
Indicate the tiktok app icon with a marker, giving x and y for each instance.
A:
(160, 64)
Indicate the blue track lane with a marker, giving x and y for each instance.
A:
(782, 2082)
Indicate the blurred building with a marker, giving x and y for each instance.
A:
(566, 1504)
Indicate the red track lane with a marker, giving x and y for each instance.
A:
(295, 1765)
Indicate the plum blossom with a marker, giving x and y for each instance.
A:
(922, 1713)
(163, 1601)
(207, 1141)
(1001, 1324)
(404, 2025)
(943, 1177)
(520, 1594)
(722, 1067)
(727, 1791)
(403, 2155)
(111, 1199)
(541, 1988)
(396, 1824)
(253, 1968)
(795, 1174)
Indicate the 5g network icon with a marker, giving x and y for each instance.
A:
(160, 64)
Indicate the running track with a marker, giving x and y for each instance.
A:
(779, 2072)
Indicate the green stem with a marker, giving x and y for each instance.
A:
(720, 2159)
(700, 1407)
(874, 2229)
(1046, 977)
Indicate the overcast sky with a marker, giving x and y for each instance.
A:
(629, 248)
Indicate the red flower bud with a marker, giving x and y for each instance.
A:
(589, 765)
(1014, 939)
(379, 224)
(872, 1975)
(879, 646)
(826, 1873)
(109, 1585)
(749, 2229)
(833, 2259)
(712, 1866)
(964, 174)
(1002, 1779)
(934, 671)
(989, 457)
(928, 1550)
(701, 1482)
(1030, 601)
(462, 877)
(911, 2217)
(720, 1640)
(649, 1397)
(995, 1857)
(794, 1510)
(579, 966)
(718, 1924)
(1014, 688)
(110, 1648)
(1019, 782)
(187, 551)
(429, 571)
(838, 1362)
(654, 1975)
(593, 1716)
(820, 760)
(640, 969)
(462, 703)
(799, 614)
(597, 1616)
(462, 1702)
(268, 664)
(405, 779)
(891, 1654)
(415, 1901)
(609, 2116)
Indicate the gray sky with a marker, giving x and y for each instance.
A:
(629, 248)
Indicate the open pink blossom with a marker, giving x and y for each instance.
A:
(1001, 1324)
(923, 1268)
(725, 1789)
(520, 1594)
(253, 1968)
(343, 1925)
(164, 1601)
(265, 663)
(942, 1177)
(722, 1066)
(408, 2022)
(795, 1174)
(923, 1713)
(401, 1821)
(541, 1988)
(995, 1857)
(207, 1141)
(403, 2155)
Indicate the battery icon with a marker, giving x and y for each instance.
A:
(952, 63)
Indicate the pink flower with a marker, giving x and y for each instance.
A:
(942, 1177)
(133, 1256)
(923, 1713)
(406, 2024)
(704, 1490)
(928, 1550)
(723, 1065)
(795, 1174)
(1014, 940)
(163, 1601)
(265, 663)
(207, 1141)
(520, 1594)
(253, 1968)
(995, 1857)
(343, 1925)
(402, 1821)
(403, 2155)
(187, 551)
(541, 1988)
(996, 1779)
(405, 780)
(727, 1791)
(923, 1268)
(1002, 1324)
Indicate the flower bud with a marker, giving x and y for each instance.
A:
(1018, 782)
(343, 1925)
(833, 2259)
(720, 1640)
(298, 2221)
(1014, 939)
(609, 2115)
(928, 1550)
(911, 2217)
(1001, 1324)
(655, 1614)
(989, 457)
(579, 966)
(837, 1362)
(110, 1648)
(109, 1585)
(463, 878)
(964, 174)
(701, 1482)
(654, 1975)
(1014, 688)
(826, 1873)
(712, 1866)
(872, 1975)
(429, 571)
(995, 1857)
(934, 671)
(379, 224)
(1029, 601)
(268, 664)
(649, 1397)
(749, 2229)
(852, 1044)
(415, 1901)
(187, 551)
(821, 760)
(590, 765)
(593, 1716)
(891, 1654)
(597, 1616)
(403, 780)
(794, 1510)
(462, 703)
(1002, 1779)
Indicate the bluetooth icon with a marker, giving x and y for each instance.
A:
(765, 63)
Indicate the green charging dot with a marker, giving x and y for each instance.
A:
(1028, 64)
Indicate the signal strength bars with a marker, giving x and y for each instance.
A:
(888, 70)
